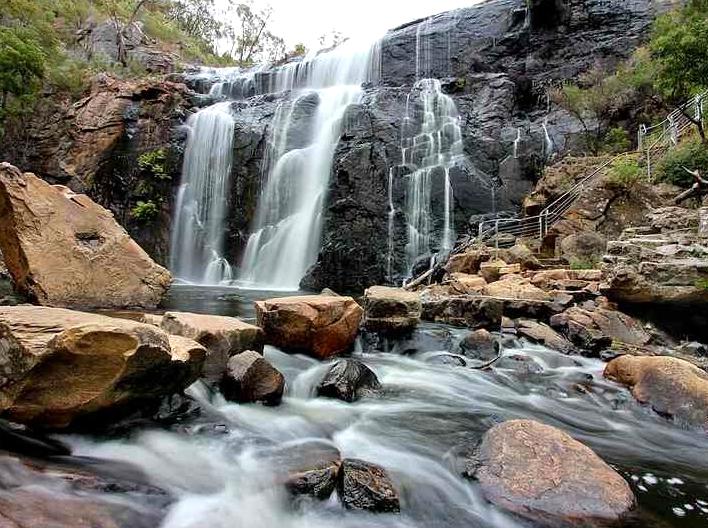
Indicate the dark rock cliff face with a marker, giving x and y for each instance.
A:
(496, 60)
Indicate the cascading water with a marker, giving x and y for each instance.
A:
(430, 154)
(196, 254)
(288, 225)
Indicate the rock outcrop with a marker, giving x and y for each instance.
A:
(671, 386)
(62, 367)
(348, 380)
(540, 472)
(250, 378)
(391, 310)
(63, 249)
(365, 486)
(222, 336)
(320, 325)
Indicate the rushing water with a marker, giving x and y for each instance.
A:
(305, 132)
(224, 472)
(200, 210)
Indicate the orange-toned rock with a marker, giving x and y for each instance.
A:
(515, 287)
(63, 365)
(467, 284)
(222, 336)
(541, 473)
(673, 387)
(319, 325)
(62, 249)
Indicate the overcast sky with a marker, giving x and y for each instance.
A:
(305, 20)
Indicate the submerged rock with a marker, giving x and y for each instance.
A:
(541, 473)
(365, 486)
(391, 310)
(222, 336)
(251, 378)
(312, 468)
(348, 380)
(62, 366)
(62, 249)
(671, 386)
(319, 325)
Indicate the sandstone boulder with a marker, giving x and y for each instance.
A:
(59, 366)
(544, 335)
(391, 310)
(541, 473)
(491, 269)
(515, 287)
(365, 486)
(673, 387)
(315, 324)
(597, 329)
(348, 380)
(62, 249)
(465, 284)
(522, 255)
(468, 262)
(250, 378)
(480, 344)
(463, 310)
(222, 336)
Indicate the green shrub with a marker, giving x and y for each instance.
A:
(692, 154)
(584, 263)
(702, 284)
(624, 174)
(616, 141)
(145, 211)
(154, 162)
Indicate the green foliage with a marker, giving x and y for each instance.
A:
(22, 63)
(702, 284)
(145, 211)
(624, 174)
(679, 49)
(692, 154)
(154, 162)
(616, 141)
(583, 263)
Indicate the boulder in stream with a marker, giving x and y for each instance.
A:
(319, 325)
(62, 366)
(348, 380)
(541, 473)
(222, 336)
(251, 378)
(391, 310)
(365, 486)
(63, 249)
(673, 387)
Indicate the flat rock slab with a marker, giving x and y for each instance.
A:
(391, 309)
(541, 473)
(320, 325)
(673, 387)
(62, 249)
(58, 366)
(222, 336)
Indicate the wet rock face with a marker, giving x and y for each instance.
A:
(391, 310)
(348, 380)
(541, 473)
(671, 386)
(251, 378)
(365, 486)
(63, 249)
(320, 325)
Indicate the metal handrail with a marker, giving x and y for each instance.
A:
(672, 128)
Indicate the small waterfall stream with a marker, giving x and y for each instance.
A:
(197, 238)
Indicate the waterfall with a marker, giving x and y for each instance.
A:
(517, 142)
(548, 146)
(198, 227)
(430, 152)
(287, 231)
(391, 219)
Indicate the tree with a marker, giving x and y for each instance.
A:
(332, 39)
(251, 40)
(679, 50)
(22, 63)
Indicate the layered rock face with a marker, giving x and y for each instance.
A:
(63, 249)
(60, 366)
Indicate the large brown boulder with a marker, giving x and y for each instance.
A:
(320, 325)
(673, 387)
(60, 366)
(62, 249)
(391, 310)
(222, 336)
(541, 473)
